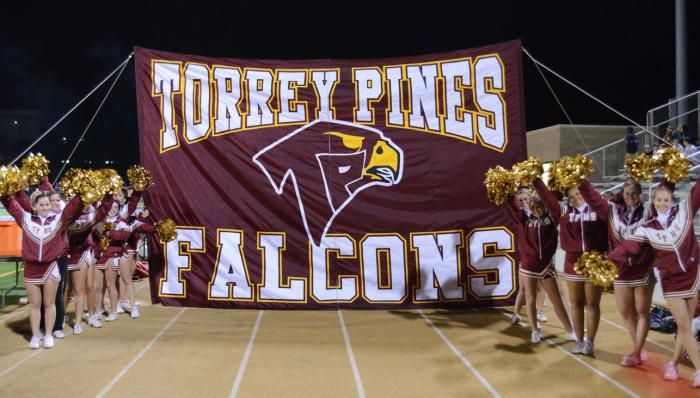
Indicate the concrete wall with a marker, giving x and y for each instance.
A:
(553, 142)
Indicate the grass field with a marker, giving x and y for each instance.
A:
(7, 280)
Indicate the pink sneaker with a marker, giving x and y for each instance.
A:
(696, 379)
(671, 372)
(629, 361)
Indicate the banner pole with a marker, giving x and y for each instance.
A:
(72, 109)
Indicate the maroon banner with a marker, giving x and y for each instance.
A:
(320, 184)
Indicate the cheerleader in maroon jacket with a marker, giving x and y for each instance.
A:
(81, 259)
(537, 243)
(580, 229)
(634, 286)
(42, 244)
(127, 263)
(671, 236)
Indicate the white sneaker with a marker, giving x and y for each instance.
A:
(515, 320)
(541, 317)
(134, 313)
(120, 309)
(578, 347)
(588, 348)
(126, 306)
(536, 336)
(77, 329)
(34, 342)
(571, 336)
(94, 322)
(48, 342)
(59, 334)
(112, 317)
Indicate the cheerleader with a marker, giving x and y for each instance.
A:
(57, 205)
(127, 263)
(580, 230)
(522, 202)
(81, 258)
(129, 233)
(634, 287)
(42, 245)
(671, 236)
(537, 243)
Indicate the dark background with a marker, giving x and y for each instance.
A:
(52, 55)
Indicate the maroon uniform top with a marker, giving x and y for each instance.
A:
(23, 200)
(673, 239)
(121, 233)
(80, 231)
(537, 236)
(622, 220)
(580, 229)
(42, 238)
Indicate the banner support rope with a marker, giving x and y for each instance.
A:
(99, 107)
(72, 109)
(591, 96)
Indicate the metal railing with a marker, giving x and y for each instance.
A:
(610, 157)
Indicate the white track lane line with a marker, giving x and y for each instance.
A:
(139, 355)
(19, 363)
(246, 356)
(656, 343)
(594, 370)
(586, 364)
(459, 355)
(353, 364)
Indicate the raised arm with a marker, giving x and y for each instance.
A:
(550, 200)
(45, 185)
(594, 199)
(134, 228)
(514, 212)
(668, 184)
(24, 201)
(695, 198)
(102, 211)
(133, 202)
(13, 207)
(71, 212)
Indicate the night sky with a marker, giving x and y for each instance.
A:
(50, 56)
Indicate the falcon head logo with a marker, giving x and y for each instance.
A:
(329, 162)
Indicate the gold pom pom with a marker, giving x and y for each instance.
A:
(527, 171)
(139, 177)
(113, 180)
(166, 230)
(600, 270)
(12, 180)
(105, 240)
(35, 167)
(640, 167)
(570, 171)
(672, 163)
(90, 184)
(500, 183)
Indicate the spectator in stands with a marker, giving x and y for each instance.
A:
(675, 143)
(648, 151)
(654, 148)
(631, 142)
(668, 135)
(689, 149)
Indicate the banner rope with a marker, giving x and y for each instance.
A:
(644, 129)
(99, 107)
(72, 109)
